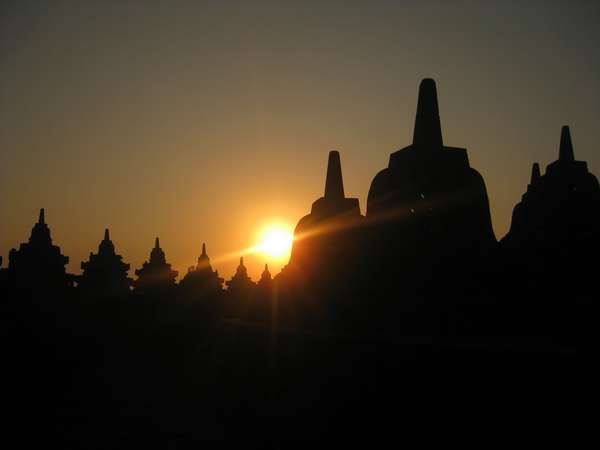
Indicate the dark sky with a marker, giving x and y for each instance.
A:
(202, 121)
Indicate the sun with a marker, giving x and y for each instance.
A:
(275, 241)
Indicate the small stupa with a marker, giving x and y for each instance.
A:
(105, 273)
(240, 280)
(156, 274)
(38, 264)
(266, 280)
(201, 280)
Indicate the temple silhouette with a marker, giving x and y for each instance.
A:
(429, 205)
(414, 303)
(156, 276)
(105, 273)
(320, 235)
(559, 208)
(38, 264)
(200, 280)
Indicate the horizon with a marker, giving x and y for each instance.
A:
(162, 145)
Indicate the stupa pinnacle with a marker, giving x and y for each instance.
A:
(334, 184)
(535, 173)
(428, 130)
(565, 152)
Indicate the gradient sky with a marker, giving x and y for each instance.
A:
(200, 121)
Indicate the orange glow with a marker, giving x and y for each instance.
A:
(275, 241)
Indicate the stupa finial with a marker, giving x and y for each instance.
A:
(334, 184)
(535, 173)
(106, 235)
(428, 130)
(565, 152)
(42, 217)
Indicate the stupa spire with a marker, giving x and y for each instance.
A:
(203, 249)
(428, 130)
(106, 235)
(42, 219)
(535, 173)
(565, 152)
(156, 243)
(334, 184)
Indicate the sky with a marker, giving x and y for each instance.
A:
(204, 121)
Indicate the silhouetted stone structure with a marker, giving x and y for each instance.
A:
(561, 207)
(266, 280)
(37, 264)
(260, 305)
(200, 280)
(394, 309)
(155, 276)
(429, 193)
(240, 280)
(555, 232)
(240, 292)
(105, 273)
(323, 237)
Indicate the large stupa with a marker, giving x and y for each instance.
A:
(429, 204)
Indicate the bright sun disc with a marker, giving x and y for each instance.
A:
(275, 241)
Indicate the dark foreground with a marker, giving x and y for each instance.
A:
(116, 375)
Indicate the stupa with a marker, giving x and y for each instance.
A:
(429, 202)
(559, 208)
(105, 273)
(201, 280)
(266, 280)
(155, 275)
(38, 264)
(240, 280)
(324, 235)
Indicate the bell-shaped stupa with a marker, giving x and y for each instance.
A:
(324, 234)
(201, 280)
(37, 264)
(559, 208)
(105, 273)
(155, 275)
(266, 280)
(429, 200)
(240, 280)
